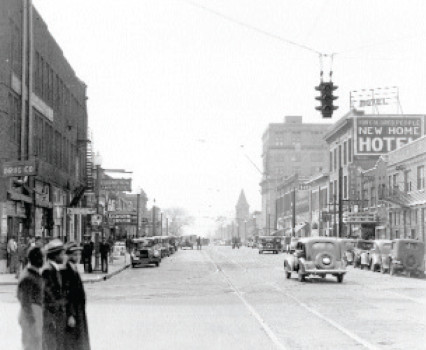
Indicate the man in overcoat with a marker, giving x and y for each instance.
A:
(54, 315)
(87, 255)
(29, 294)
(77, 333)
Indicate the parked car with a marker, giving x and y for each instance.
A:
(145, 252)
(186, 243)
(269, 244)
(293, 243)
(163, 245)
(362, 253)
(316, 256)
(348, 246)
(407, 255)
(379, 255)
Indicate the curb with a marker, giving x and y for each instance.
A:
(91, 280)
(107, 276)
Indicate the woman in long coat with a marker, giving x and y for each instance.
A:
(77, 332)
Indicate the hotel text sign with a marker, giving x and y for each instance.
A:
(382, 134)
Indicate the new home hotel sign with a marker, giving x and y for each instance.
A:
(376, 135)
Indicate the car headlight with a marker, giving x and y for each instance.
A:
(156, 253)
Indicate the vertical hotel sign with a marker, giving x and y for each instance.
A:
(380, 134)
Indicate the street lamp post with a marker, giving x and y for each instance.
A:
(161, 223)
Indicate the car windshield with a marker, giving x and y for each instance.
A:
(267, 239)
(349, 245)
(364, 245)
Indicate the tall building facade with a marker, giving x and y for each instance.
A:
(242, 216)
(43, 119)
(289, 148)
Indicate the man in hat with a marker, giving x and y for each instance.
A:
(12, 251)
(104, 250)
(77, 334)
(87, 254)
(54, 315)
(29, 294)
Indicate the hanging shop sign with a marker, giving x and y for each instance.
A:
(376, 135)
(81, 211)
(122, 218)
(118, 185)
(19, 168)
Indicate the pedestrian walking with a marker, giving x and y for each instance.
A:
(111, 249)
(12, 251)
(54, 313)
(77, 333)
(199, 243)
(87, 255)
(29, 294)
(104, 250)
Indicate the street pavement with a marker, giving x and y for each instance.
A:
(220, 298)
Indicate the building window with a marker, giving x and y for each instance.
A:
(345, 153)
(349, 150)
(331, 161)
(373, 196)
(279, 139)
(335, 158)
(407, 181)
(296, 137)
(394, 183)
(345, 187)
(421, 177)
(340, 156)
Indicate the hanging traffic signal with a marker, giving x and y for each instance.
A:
(326, 98)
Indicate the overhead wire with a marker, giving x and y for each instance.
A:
(253, 28)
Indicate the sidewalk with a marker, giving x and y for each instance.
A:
(120, 264)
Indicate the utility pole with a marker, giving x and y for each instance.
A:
(161, 223)
(340, 201)
(293, 212)
(138, 197)
(334, 215)
(154, 224)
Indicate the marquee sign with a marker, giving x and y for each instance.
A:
(376, 135)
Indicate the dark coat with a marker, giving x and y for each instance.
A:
(54, 316)
(29, 294)
(87, 250)
(76, 338)
(104, 249)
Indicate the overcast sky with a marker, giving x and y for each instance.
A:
(175, 90)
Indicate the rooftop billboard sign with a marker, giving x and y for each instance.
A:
(377, 135)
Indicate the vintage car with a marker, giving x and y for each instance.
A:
(362, 253)
(348, 246)
(166, 243)
(292, 245)
(145, 251)
(269, 244)
(319, 256)
(186, 243)
(379, 255)
(407, 255)
(163, 245)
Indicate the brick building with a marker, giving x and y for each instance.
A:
(43, 117)
(289, 148)
(355, 144)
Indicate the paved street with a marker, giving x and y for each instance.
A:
(221, 298)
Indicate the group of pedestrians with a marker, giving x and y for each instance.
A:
(17, 252)
(52, 298)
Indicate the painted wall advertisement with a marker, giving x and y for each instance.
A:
(384, 133)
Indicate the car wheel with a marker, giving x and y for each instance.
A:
(300, 276)
(157, 264)
(133, 266)
(260, 251)
(340, 278)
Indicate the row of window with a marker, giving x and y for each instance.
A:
(408, 181)
(15, 118)
(334, 189)
(294, 137)
(404, 218)
(51, 146)
(341, 155)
